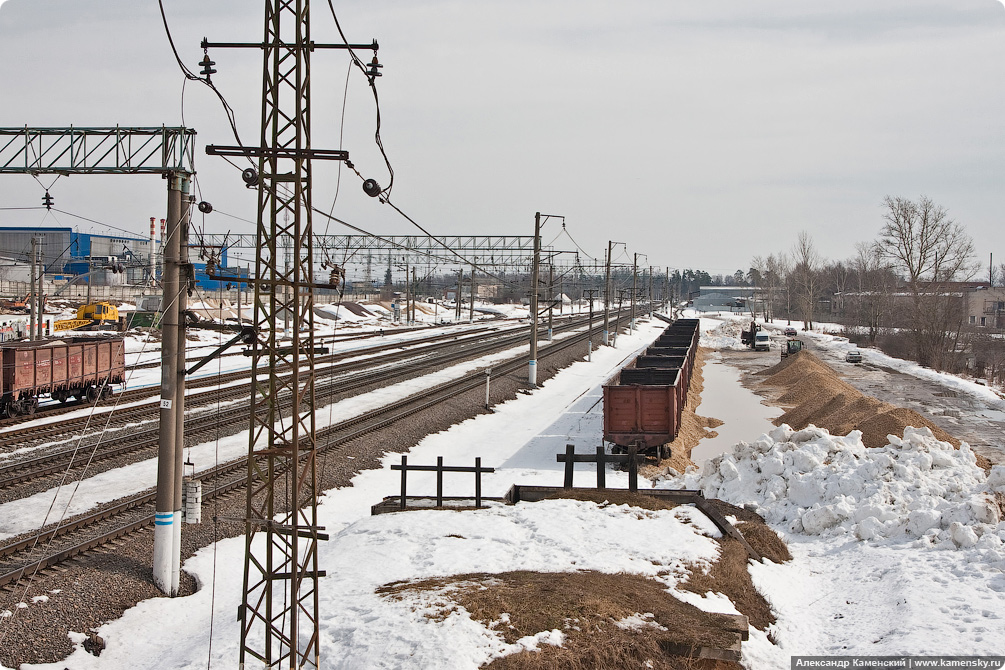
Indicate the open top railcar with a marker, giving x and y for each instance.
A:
(643, 407)
(63, 368)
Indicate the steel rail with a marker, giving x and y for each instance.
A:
(398, 410)
(142, 439)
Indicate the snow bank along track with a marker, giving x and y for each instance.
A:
(136, 395)
(237, 383)
(437, 354)
(87, 532)
(321, 342)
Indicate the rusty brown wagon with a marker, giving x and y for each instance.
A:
(62, 368)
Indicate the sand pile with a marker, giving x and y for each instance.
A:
(693, 428)
(813, 393)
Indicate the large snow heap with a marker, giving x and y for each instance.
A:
(915, 488)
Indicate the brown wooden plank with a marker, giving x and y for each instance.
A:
(725, 526)
(730, 653)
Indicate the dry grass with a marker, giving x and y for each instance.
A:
(729, 575)
(584, 606)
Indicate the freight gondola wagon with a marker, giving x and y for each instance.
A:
(63, 368)
(644, 405)
(643, 410)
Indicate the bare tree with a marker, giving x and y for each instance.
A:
(998, 275)
(806, 273)
(875, 281)
(930, 250)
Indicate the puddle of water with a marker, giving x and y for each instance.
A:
(740, 410)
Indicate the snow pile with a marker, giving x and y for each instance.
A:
(722, 334)
(814, 483)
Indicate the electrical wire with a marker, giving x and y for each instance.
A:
(100, 223)
(376, 100)
(62, 481)
(341, 130)
(189, 75)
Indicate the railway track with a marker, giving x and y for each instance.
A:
(77, 536)
(351, 376)
(390, 351)
(135, 395)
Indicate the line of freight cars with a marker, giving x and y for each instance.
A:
(643, 405)
(63, 368)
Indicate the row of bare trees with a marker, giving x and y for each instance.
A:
(909, 277)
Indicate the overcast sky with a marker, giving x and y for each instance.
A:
(699, 132)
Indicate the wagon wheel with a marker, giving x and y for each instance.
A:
(665, 451)
(92, 394)
(7, 410)
(30, 405)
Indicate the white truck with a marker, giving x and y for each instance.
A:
(762, 341)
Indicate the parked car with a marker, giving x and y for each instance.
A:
(853, 356)
(790, 331)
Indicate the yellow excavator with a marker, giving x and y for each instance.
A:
(95, 316)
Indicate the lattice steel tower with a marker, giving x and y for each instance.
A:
(279, 624)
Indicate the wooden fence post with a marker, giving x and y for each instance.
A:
(439, 481)
(601, 468)
(570, 457)
(404, 471)
(478, 481)
(633, 469)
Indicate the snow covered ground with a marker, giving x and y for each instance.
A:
(897, 550)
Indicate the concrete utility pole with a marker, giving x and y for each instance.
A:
(551, 302)
(33, 317)
(167, 519)
(650, 291)
(561, 297)
(414, 287)
(408, 297)
(457, 296)
(589, 328)
(635, 281)
(40, 298)
(668, 296)
(471, 313)
(532, 365)
(607, 296)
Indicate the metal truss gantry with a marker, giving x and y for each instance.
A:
(168, 152)
(105, 150)
(482, 253)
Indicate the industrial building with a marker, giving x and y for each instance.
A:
(72, 257)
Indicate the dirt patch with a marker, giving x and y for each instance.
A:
(587, 607)
(815, 394)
